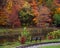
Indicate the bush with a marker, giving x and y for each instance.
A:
(54, 34)
(24, 36)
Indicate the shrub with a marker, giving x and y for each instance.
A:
(54, 34)
(24, 35)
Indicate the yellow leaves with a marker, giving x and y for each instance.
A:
(26, 5)
(3, 18)
(9, 6)
(57, 10)
(35, 20)
(2, 22)
(40, 2)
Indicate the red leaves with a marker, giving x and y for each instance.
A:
(23, 39)
(50, 37)
(14, 17)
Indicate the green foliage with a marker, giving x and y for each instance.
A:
(55, 34)
(49, 3)
(56, 18)
(26, 17)
(25, 32)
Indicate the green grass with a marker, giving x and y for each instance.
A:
(15, 44)
(3, 30)
(7, 30)
(12, 45)
(34, 42)
(53, 40)
(54, 46)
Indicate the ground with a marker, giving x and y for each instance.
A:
(16, 44)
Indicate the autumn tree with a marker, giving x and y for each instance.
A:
(49, 3)
(26, 18)
(2, 3)
(3, 16)
(35, 10)
(12, 9)
(56, 17)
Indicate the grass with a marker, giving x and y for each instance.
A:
(54, 46)
(3, 30)
(7, 30)
(15, 44)
(12, 45)
(53, 40)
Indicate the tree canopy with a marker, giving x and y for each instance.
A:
(56, 18)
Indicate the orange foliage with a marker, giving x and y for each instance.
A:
(3, 18)
(57, 10)
(35, 10)
(56, 2)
